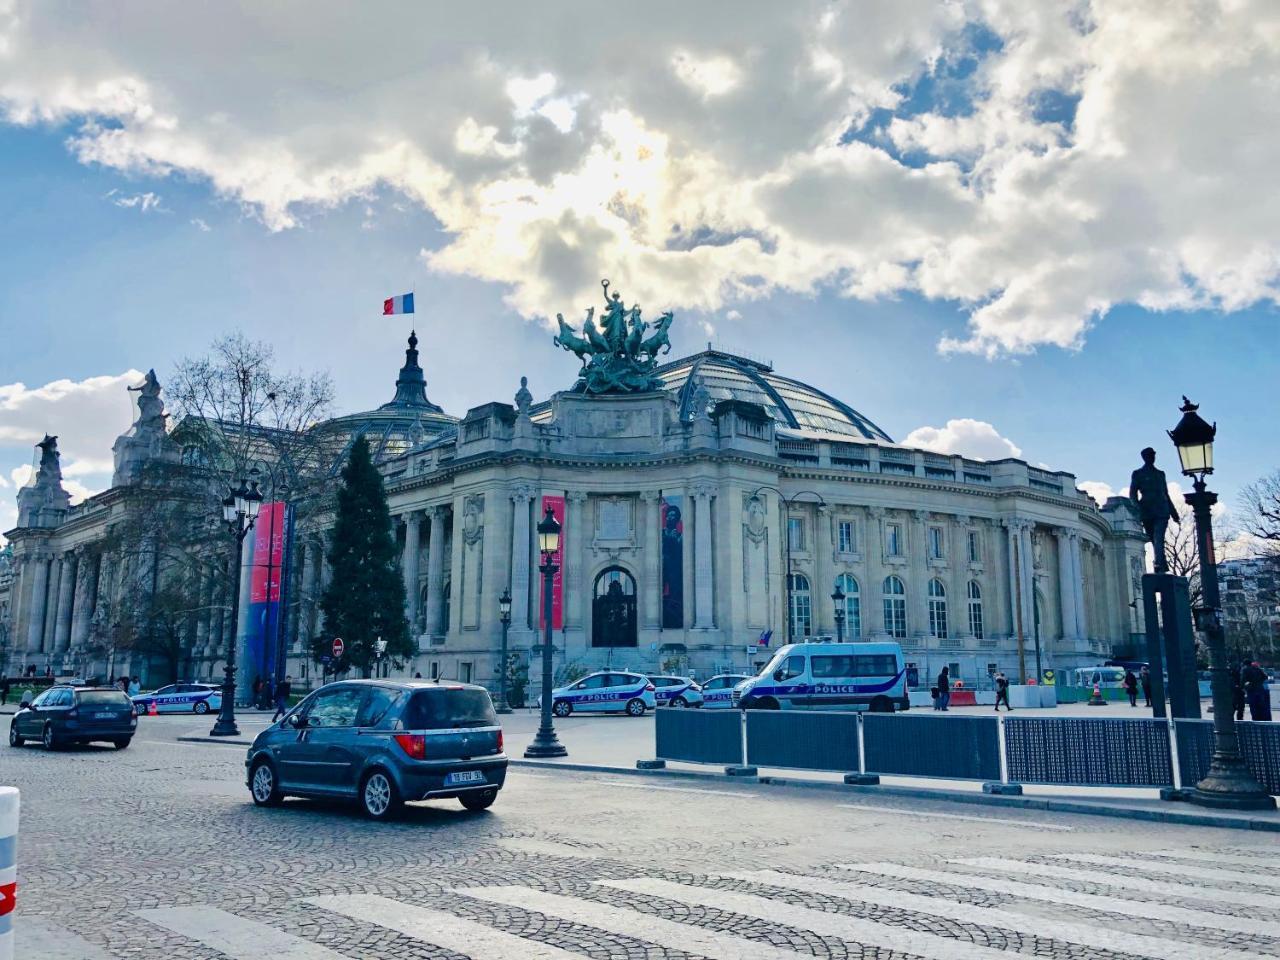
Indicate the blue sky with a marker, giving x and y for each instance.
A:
(919, 301)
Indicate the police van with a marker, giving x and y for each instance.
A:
(829, 676)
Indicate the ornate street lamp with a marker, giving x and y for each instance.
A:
(838, 599)
(545, 743)
(504, 611)
(1228, 782)
(239, 511)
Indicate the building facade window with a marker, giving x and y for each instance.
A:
(895, 608)
(801, 606)
(852, 605)
(937, 609)
(846, 538)
(795, 533)
(975, 548)
(975, 609)
(893, 539)
(937, 543)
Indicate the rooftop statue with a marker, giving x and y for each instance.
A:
(619, 352)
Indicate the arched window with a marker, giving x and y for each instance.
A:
(975, 609)
(895, 608)
(613, 609)
(852, 605)
(937, 609)
(801, 606)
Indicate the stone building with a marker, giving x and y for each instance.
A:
(723, 505)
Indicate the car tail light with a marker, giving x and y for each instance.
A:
(413, 744)
(133, 710)
(649, 688)
(499, 741)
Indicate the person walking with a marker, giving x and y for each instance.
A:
(1002, 691)
(1144, 677)
(944, 688)
(1131, 686)
(135, 687)
(1237, 689)
(4, 690)
(257, 692)
(1255, 691)
(282, 697)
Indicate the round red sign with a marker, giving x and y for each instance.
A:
(338, 646)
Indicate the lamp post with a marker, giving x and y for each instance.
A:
(504, 610)
(1228, 783)
(379, 648)
(838, 599)
(239, 511)
(545, 743)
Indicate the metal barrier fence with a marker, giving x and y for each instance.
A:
(1080, 751)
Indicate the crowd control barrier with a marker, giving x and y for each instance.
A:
(1071, 751)
(8, 868)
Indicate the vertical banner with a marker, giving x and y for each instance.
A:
(672, 562)
(266, 572)
(557, 579)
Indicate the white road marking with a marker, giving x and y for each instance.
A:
(35, 939)
(1136, 944)
(547, 848)
(1141, 910)
(818, 921)
(1260, 862)
(650, 786)
(468, 937)
(931, 815)
(716, 945)
(237, 937)
(1258, 879)
(1161, 888)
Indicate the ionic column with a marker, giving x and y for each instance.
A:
(409, 565)
(575, 530)
(435, 572)
(1066, 584)
(66, 593)
(1077, 585)
(52, 596)
(703, 588)
(918, 584)
(651, 587)
(39, 584)
(873, 588)
(521, 497)
(1015, 572)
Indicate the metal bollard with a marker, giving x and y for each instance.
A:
(8, 867)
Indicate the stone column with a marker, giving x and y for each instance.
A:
(703, 590)
(39, 585)
(66, 594)
(1011, 538)
(1066, 584)
(83, 600)
(824, 611)
(52, 596)
(435, 572)
(918, 582)
(204, 589)
(873, 585)
(651, 560)
(521, 497)
(1028, 584)
(1077, 585)
(575, 531)
(409, 565)
(309, 562)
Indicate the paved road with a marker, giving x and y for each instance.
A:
(156, 852)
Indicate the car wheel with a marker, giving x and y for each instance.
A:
(14, 739)
(48, 739)
(378, 796)
(882, 705)
(480, 800)
(635, 708)
(263, 786)
(123, 743)
(562, 708)
(202, 707)
(679, 702)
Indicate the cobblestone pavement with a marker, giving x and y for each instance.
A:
(156, 852)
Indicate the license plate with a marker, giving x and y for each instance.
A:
(104, 716)
(465, 776)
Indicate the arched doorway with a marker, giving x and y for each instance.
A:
(613, 609)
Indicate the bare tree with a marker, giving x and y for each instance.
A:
(1261, 510)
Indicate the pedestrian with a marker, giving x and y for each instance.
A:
(4, 690)
(269, 693)
(1145, 678)
(944, 688)
(135, 687)
(1131, 686)
(417, 675)
(1237, 689)
(257, 691)
(1002, 691)
(282, 697)
(1255, 691)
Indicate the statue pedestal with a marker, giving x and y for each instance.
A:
(1166, 604)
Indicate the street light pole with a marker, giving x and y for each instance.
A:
(504, 609)
(838, 599)
(545, 743)
(239, 511)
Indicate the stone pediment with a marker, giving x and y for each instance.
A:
(614, 424)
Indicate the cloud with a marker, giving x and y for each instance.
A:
(1098, 490)
(143, 202)
(970, 438)
(200, 224)
(1035, 163)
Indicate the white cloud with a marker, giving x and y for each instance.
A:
(200, 224)
(970, 438)
(143, 202)
(698, 158)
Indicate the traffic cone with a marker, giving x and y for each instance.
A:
(1096, 700)
(151, 709)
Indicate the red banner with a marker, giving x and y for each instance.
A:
(557, 579)
(268, 554)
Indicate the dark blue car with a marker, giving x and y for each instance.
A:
(381, 743)
(64, 715)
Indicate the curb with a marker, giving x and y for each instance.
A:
(216, 741)
(1087, 807)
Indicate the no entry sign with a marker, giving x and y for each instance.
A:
(338, 647)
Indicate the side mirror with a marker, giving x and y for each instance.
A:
(25, 705)
(777, 675)
(296, 720)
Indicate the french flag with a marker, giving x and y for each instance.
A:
(396, 305)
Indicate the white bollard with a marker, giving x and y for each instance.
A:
(8, 867)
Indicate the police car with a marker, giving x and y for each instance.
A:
(604, 691)
(717, 693)
(676, 691)
(180, 698)
(829, 676)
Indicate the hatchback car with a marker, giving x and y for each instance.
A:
(717, 692)
(181, 698)
(604, 691)
(64, 714)
(381, 743)
(676, 692)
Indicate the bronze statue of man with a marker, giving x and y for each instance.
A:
(1149, 490)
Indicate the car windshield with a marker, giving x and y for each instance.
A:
(449, 709)
(99, 697)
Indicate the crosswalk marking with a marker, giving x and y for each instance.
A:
(468, 937)
(824, 924)
(1258, 879)
(714, 944)
(1260, 862)
(237, 937)
(933, 815)
(36, 939)
(1162, 888)
(1110, 904)
(1088, 934)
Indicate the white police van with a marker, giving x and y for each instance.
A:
(717, 693)
(829, 676)
(603, 691)
(675, 691)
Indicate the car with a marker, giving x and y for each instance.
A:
(382, 743)
(605, 691)
(672, 691)
(181, 698)
(829, 676)
(717, 693)
(65, 714)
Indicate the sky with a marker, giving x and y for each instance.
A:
(995, 228)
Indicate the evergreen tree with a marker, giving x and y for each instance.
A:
(365, 597)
